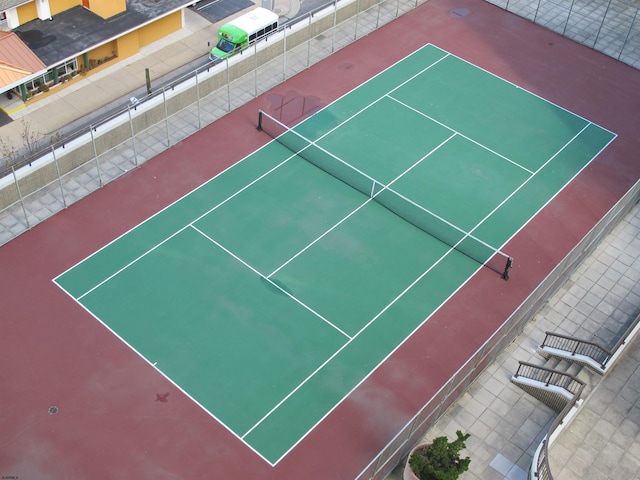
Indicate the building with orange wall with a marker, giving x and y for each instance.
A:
(46, 43)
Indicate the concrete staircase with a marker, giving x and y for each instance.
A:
(551, 389)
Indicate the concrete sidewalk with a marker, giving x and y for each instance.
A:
(93, 97)
(603, 441)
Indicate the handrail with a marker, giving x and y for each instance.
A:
(576, 346)
(549, 376)
(563, 380)
(540, 465)
(541, 457)
(569, 337)
(593, 350)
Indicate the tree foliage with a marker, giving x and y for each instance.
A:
(441, 460)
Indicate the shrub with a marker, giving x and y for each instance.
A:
(441, 460)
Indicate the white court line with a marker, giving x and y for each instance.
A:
(384, 187)
(264, 146)
(319, 238)
(461, 134)
(269, 280)
(417, 279)
(177, 231)
(311, 375)
(398, 297)
(117, 272)
(374, 368)
(527, 91)
(351, 117)
(155, 366)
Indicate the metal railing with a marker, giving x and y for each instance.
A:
(572, 347)
(124, 141)
(436, 406)
(414, 430)
(40, 147)
(625, 339)
(548, 376)
(540, 466)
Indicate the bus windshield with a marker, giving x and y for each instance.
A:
(225, 45)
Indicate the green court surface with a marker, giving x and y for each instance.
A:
(270, 292)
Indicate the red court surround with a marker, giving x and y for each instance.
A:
(118, 418)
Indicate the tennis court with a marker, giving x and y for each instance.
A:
(270, 292)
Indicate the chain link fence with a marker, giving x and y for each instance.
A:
(608, 26)
(75, 166)
(401, 445)
(48, 181)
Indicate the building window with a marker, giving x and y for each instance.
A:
(42, 82)
(68, 68)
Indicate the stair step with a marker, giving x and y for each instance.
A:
(573, 368)
(590, 378)
(553, 363)
(562, 365)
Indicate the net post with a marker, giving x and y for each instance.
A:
(505, 274)
(259, 127)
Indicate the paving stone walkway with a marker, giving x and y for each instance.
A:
(598, 302)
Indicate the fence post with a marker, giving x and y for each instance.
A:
(55, 161)
(535, 15)
(95, 154)
(335, 23)
(133, 136)
(626, 38)
(309, 43)
(198, 100)
(24, 210)
(284, 53)
(564, 31)
(255, 70)
(166, 114)
(595, 42)
(478, 360)
(228, 85)
(355, 32)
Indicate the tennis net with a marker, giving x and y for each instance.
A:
(397, 203)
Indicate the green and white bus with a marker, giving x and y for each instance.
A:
(243, 31)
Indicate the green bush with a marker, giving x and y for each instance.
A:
(441, 460)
